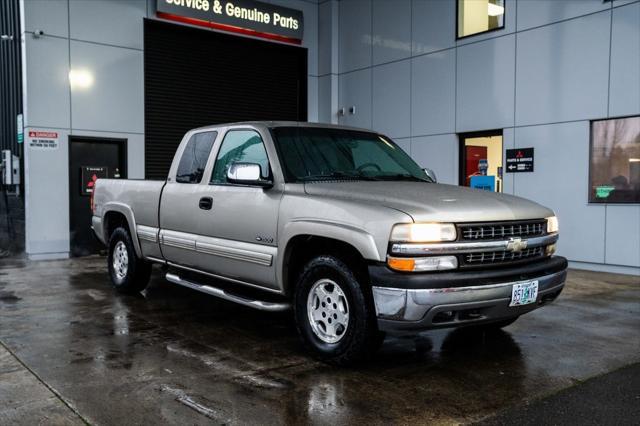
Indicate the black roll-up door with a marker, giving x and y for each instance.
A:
(197, 77)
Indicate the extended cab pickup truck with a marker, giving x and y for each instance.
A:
(338, 224)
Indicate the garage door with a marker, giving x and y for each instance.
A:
(197, 77)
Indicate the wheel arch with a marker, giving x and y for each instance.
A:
(348, 244)
(115, 215)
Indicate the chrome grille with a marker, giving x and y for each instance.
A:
(501, 231)
(494, 257)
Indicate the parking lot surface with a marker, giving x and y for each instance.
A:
(73, 351)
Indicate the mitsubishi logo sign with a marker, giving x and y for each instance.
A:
(516, 245)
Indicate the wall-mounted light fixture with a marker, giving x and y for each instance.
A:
(6, 37)
(80, 79)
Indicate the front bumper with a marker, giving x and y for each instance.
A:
(452, 299)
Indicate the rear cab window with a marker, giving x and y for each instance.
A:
(194, 157)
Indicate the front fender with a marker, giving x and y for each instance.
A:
(127, 212)
(360, 239)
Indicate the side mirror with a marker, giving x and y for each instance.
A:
(247, 174)
(431, 175)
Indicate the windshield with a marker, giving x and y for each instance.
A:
(313, 153)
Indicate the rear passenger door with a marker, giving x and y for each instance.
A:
(181, 202)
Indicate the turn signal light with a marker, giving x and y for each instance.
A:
(422, 264)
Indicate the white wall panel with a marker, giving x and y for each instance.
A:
(563, 71)
(111, 22)
(391, 30)
(439, 153)
(542, 12)
(355, 90)
(433, 101)
(355, 35)
(624, 96)
(557, 184)
(115, 101)
(623, 233)
(392, 99)
(328, 99)
(433, 25)
(49, 16)
(47, 197)
(328, 38)
(405, 144)
(47, 71)
(485, 80)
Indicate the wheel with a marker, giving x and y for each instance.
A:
(334, 312)
(129, 273)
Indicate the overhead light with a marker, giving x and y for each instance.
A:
(80, 79)
(494, 9)
(634, 160)
(6, 37)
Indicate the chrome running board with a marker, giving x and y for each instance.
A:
(222, 294)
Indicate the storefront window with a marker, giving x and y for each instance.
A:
(615, 161)
(479, 16)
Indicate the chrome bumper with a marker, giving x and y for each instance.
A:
(415, 309)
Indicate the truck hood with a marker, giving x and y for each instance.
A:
(426, 202)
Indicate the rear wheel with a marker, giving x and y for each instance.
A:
(129, 273)
(334, 312)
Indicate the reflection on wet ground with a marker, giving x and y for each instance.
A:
(176, 356)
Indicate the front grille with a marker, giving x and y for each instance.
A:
(498, 257)
(501, 231)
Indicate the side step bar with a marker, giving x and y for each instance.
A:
(218, 292)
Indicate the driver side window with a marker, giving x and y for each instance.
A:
(240, 146)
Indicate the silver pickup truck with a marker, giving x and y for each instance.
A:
(338, 224)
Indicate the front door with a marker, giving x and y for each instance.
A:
(90, 159)
(238, 233)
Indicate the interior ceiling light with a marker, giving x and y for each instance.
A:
(80, 79)
(495, 10)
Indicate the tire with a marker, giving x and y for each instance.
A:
(327, 289)
(129, 273)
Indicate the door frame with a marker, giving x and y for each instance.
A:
(123, 145)
(462, 160)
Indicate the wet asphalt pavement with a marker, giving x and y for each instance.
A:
(72, 351)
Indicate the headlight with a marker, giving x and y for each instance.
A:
(424, 232)
(422, 264)
(552, 224)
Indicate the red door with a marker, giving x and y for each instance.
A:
(473, 155)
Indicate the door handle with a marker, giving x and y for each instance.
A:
(205, 203)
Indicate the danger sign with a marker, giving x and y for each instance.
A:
(43, 140)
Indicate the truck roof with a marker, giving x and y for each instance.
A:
(274, 124)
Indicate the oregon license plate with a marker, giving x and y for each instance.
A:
(524, 293)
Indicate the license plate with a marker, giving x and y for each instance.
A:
(524, 293)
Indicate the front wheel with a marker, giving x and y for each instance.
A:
(334, 312)
(129, 273)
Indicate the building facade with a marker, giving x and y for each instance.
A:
(462, 95)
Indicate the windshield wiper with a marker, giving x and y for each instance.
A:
(404, 177)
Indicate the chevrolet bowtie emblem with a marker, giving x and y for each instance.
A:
(516, 245)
